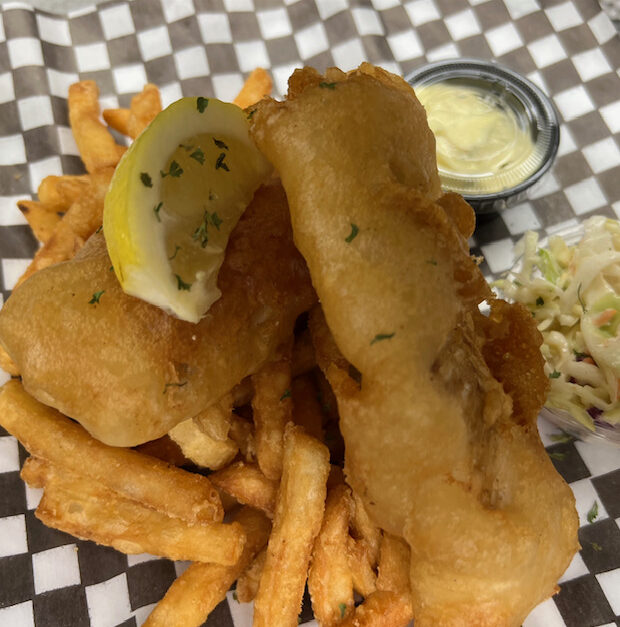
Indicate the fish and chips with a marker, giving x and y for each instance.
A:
(221, 442)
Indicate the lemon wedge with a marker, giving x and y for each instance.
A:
(174, 199)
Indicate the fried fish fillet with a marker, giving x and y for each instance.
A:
(129, 372)
(441, 438)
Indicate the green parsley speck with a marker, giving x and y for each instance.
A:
(593, 513)
(555, 375)
(558, 456)
(96, 296)
(353, 234)
(198, 155)
(325, 85)
(156, 210)
(382, 336)
(219, 164)
(343, 609)
(220, 144)
(175, 170)
(174, 254)
(287, 394)
(540, 301)
(201, 104)
(181, 285)
(146, 179)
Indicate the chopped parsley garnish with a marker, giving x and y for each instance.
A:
(220, 162)
(433, 262)
(562, 437)
(343, 608)
(174, 170)
(99, 228)
(198, 155)
(176, 250)
(540, 301)
(202, 232)
(111, 268)
(181, 285)
(220, 144)
(251, 114)
(593, 513)
(326, 85)
(287, 394)
(234, 596)
(579, 355)
(583, 307)
(216, 220)
(146, 179)
(156, 210)
(96, 296)
(173, 385)
(596, 546)
(558, 456)
(382, 336)
(555, 375)
(353, 234)
(201, 104)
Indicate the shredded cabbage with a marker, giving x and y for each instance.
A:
(573, 292)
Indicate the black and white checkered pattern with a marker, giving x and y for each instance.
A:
(193, 47)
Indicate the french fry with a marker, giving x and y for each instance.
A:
(118, 119)
(297, 521)
(248, 485)
(380, 609)
(201, 448)
(58, 193)
(364, 529)
(272, 406)
(215, 420)
(49, 435)
(247, 584)
(257, 85)
(242, 432)
(7, 364)
(165, 449)
(95, 143)
(329, 578)
(307, 411)
(41, 220)
(143, 109)
(394, 561)
(81, 220)
(362, 573)
(192, 597)
(88, 510)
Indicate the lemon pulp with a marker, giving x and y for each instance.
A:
(174, 199)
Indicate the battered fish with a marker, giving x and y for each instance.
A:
(129, 372)
(441, 436)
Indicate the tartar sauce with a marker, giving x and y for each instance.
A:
(476, 134)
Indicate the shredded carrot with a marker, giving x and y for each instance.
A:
(605, 317)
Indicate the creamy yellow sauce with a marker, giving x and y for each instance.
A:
(475, 135)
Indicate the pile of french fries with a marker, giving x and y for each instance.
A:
(264, 502)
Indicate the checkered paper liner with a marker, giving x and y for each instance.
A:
(206, 47)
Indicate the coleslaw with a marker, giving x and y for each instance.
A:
(573, 292)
